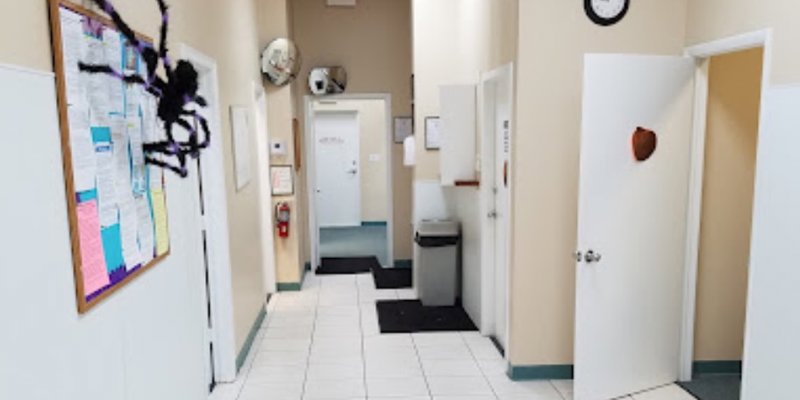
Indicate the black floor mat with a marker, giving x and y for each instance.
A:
(714, 387)
(347, 266)
(410, 316)
(392, 278)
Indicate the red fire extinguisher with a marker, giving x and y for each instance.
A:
(283, 214)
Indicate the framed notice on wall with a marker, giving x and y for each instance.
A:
(403, 128)
(282, 179)
(116, 203)
(433, 133)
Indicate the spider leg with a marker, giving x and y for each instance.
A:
(162, 47)
(200, 119)
(123, 27)
(180, 170)
(108, 70)
(191, 147)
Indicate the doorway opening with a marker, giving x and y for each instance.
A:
(720, 220)
(497, 90)
(350, 181)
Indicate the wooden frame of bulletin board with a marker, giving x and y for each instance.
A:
(116, 202)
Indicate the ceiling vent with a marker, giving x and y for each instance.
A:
(341, 3)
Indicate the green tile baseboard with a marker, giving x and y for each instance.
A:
(716, 367)
(289, 287)
(295, 286)
(403, 263)
(374, 223)
(540, 372)
(248, 343)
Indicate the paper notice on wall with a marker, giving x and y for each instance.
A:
(106, 189)
(129, 232)
(93, 263)
(138, 178)
(133, 100)
(84, 165)
(113, 56)
(97, 85)
(160, 220)
(74, 49)
(146, 234)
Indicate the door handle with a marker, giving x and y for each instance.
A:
(352, 171)
(492, 215)
(592, 257)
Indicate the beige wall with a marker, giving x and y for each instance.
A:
(732, 133)
(715, 19)
(372, 141)
(281, 111)
(553, 37)
(373, 42)
(233, 42)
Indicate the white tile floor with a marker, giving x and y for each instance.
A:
(323, 343)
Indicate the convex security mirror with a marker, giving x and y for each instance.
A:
(327, 80)
(281, 61)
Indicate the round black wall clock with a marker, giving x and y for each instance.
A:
(606, 12)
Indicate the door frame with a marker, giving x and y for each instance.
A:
(486, 109)
(260, 103)
(702, 53)
(311, 169)
(216, 224)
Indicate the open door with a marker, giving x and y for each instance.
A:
(773, 323)
(632, 224)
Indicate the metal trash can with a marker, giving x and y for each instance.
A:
(437, 272)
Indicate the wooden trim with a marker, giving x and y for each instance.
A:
(298, 145)
(66, 151)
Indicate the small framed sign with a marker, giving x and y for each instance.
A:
(403, 128)
(433, 133)
(282, 180)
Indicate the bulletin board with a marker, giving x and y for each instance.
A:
(116, 202)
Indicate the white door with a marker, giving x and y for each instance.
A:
(773, 322)
(632, 215)
(502, 170)
(338, 177)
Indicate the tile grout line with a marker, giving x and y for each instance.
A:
(422, 367)
(478, 364)
(558, 391)
(363, 339)
(311, 343)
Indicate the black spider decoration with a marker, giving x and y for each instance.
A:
(174, 93)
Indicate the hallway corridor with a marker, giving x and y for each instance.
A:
(324, 343)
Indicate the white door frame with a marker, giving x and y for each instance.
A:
(216, 224)
(488, 137)
(311, 170)
(702, 53)
(265, 190)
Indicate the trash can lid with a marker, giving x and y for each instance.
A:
(438, 228)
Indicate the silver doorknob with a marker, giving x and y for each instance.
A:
(593, 257)
(352, 171)
(492, 215)
(578, 256)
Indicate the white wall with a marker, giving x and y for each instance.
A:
(146, 341)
